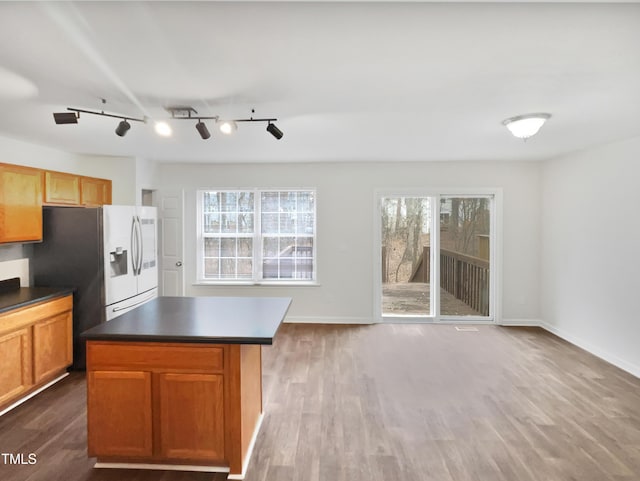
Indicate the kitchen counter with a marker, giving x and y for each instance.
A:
(229, 320)
(177, 383)
(25, 296)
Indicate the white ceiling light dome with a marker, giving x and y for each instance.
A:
(525, 126)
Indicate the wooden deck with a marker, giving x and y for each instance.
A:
(412, 298)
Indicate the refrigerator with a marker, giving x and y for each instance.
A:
(108, 254)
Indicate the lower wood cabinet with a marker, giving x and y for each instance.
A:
(120, 413)
(35, 346)
(15, 375)
(173, 403)
(191, 416)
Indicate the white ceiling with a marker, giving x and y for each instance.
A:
(347, 81)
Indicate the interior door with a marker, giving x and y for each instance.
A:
(171, 243)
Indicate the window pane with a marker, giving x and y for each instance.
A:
(270, 202)
(288, 201)
(245, 223)
(270, 247)
(245, 247)
(229, 202)
(211, 267)
(229, 222)
(306, 202)
(211, 247)
(287, 223)
(304, 224)
(245, 202)
(270, 223)
(211, 223)
(245, 268)
(464, 256)
(211, 201)
(228, 247)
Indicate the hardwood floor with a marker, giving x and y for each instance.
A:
(387, 402)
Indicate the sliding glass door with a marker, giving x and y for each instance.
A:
(406, 227)
(465, 240)
(436, 257)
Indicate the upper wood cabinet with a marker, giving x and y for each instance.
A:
(20, 203)
(61, 188)
(95, 191)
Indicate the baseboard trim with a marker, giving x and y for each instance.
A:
(328, 320)
(162, 467)
(631, 368)
(33, 393)
(521, 322)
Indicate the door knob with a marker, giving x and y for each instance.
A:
(179, 263)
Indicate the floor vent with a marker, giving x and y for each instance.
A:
(466, 329)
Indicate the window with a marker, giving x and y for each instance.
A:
(256, 235)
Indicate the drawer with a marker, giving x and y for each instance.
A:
(154, 356)
(24, 316)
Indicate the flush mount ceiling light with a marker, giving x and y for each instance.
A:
(525, 126)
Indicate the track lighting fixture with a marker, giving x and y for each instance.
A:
(73, 115)
(122, 128)
(203, 130)
(163, 128)
(275, 131)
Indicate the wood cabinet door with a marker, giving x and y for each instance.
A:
(95, 192)
(52, 345)
(61, 188)
(119, 414)
(20, 203)
(15, 373)
(191, 418)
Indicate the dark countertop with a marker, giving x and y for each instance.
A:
(25, 296)
(223, 320)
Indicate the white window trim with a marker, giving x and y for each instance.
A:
(257, 244)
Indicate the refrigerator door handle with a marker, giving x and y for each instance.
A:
(141, 243)
(134, 246)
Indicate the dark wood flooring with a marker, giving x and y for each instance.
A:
(389, 402)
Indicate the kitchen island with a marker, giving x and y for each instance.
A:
(177, 383)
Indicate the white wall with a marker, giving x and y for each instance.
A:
(591, 251)
(345, 207)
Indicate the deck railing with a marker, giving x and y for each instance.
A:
(465, 277)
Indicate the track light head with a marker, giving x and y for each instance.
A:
(65, 118)
(275, 131)
(122, 128)
(203, 130)
(227, 127)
